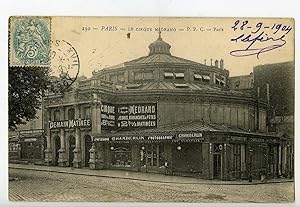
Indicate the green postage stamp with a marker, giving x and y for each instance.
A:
(29, 43)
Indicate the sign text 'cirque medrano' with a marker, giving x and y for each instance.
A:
(127, 116)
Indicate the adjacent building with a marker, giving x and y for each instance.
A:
(26, 144)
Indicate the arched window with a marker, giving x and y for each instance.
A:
(56, 115)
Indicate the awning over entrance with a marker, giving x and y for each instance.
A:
(187, 132)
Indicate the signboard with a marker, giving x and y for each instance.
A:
(32, 131)
(108, 116)
(190, 135)
(30, 140)
(69, 124)
(135, 138)
(137, 116)
(128, 116)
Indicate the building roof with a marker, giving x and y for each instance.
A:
(160, 58)
(159, 53)
(190, 87)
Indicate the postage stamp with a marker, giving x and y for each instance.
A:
(29, 43)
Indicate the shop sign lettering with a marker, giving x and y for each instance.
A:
(32, 131)
(134, 138)
(70, 124)
(128, 116)
(30, 140)
(190, 135)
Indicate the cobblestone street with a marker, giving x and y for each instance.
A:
(31, 185)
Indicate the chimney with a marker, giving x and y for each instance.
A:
(217, 63)
(222, 64)
(211, 62)
(204, 61)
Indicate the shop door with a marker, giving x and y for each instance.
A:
(71, 149)
(217, 166)
(88, 146)
(57, 147)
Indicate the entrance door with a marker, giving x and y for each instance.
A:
(217, 165)
(88, 146)
(71, 149)
(56, 148)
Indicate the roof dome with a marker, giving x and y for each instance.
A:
(159, 47)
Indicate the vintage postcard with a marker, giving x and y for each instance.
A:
(151, 109)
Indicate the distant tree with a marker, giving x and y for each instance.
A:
(26, 86)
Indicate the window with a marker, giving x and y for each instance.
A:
(121, 77)
(197, 77)
(71, 114)
(113, 78)
(153, 155)
(148, 75)
(236, 150)
(56, 115)
(179, 75)
(138, 76)
(222, 83)
(168, 75)
(121, 155)
(206, 78)
(87, 112)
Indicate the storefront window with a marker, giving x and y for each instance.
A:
(121, 156)
(236, 150)
(155, 155)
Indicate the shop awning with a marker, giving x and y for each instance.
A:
(196, 131)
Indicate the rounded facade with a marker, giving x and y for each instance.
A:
(154, 113)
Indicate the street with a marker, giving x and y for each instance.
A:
(30, 185)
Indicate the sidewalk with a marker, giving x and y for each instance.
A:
(151, 177)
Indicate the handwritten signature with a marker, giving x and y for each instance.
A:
(259, 41)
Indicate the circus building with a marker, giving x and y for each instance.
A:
(163, 114)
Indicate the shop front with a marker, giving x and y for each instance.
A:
(208, 155)
(32, 143)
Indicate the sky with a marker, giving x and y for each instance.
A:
(103, 41)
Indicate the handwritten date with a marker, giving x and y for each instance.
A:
(259, 38)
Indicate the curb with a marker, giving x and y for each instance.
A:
(153, 181)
